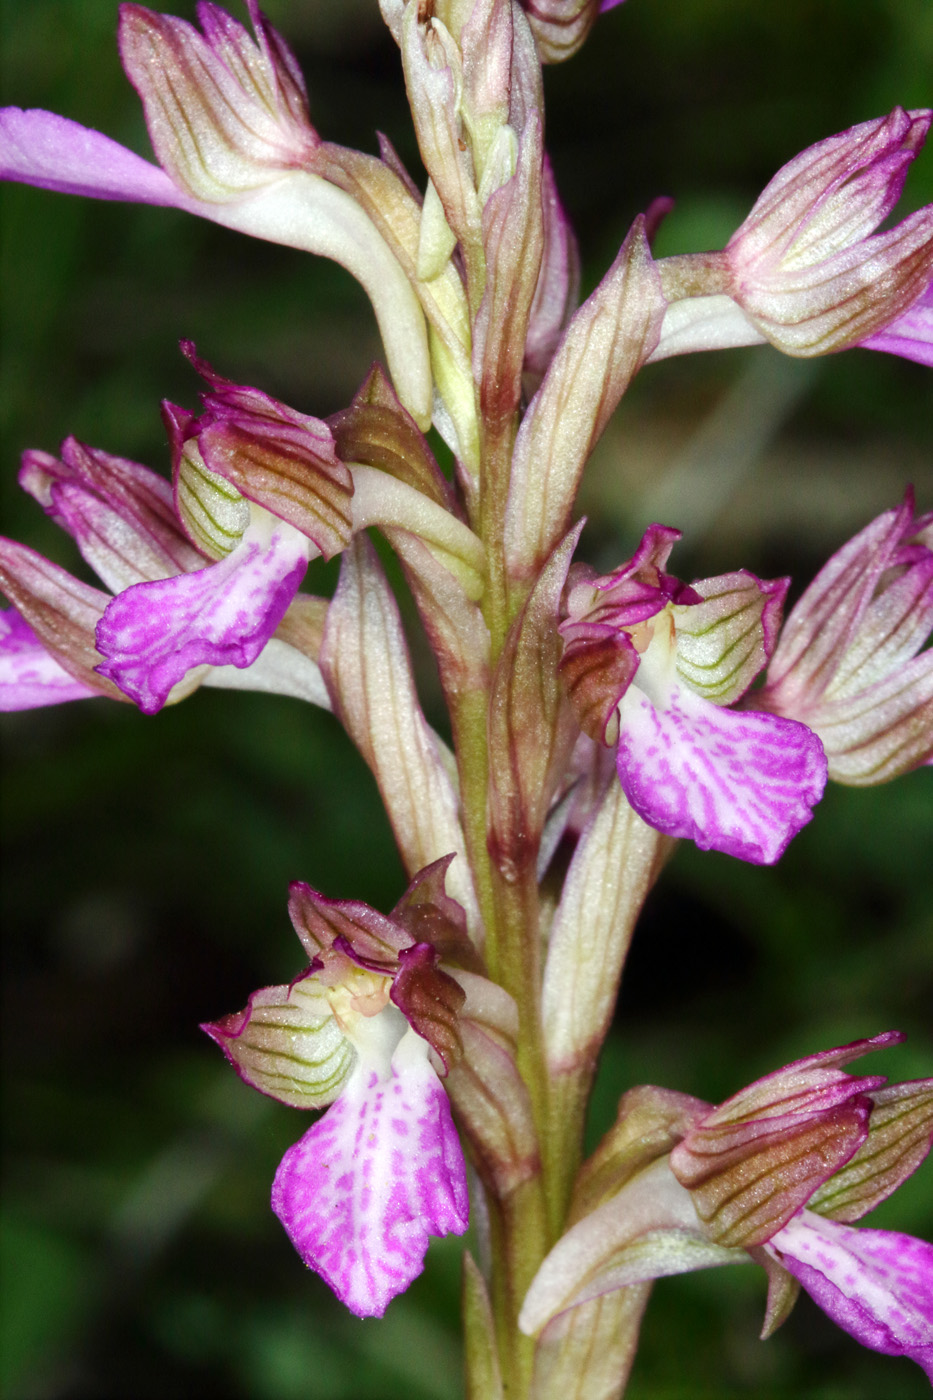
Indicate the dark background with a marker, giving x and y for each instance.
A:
(146, 860)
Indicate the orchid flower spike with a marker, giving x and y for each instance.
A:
(365, 1029)
(847, 662)
(806, 270)
(651, 666)
(228, 120)
(122, 517)
(775, 1174)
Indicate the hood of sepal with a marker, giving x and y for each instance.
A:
(807, 270)
(120, 513)
(225, 115)
(283, 461)
(319, 922)
(560, 27)
(288, 1044)
(900, 1135)
(430, 915)
(603, 632)
(825, 622)
(834, 193)
(756, 1160)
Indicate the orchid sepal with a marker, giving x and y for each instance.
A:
(759, 1157)
(849, 663)
(30, 676)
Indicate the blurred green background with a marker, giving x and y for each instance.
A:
(146, 860)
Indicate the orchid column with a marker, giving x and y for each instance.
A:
(596, 718)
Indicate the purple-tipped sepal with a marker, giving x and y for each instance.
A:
(759, 1157)
(849, 662)
(806, 266)
(225, 112)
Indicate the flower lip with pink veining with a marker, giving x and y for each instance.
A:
(651, 664)
(260, 489)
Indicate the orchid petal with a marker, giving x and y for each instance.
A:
(288, 1044)
(363, 1189)
(55, 153)
(726, 639)
(740, 782)
(874, 1284)
(155, 633)
(29, 675)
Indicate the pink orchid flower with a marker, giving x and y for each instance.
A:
(652, 666)
(808, 270)
(193, 602)
(777, 1173)
(382, 1169)
(228, 119)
